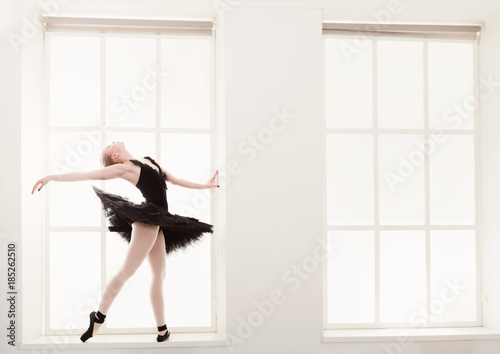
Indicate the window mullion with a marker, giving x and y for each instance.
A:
(477, 186)
(158, 100)
(214, 208)
(425, 62)
(46, 200)
(103, 139)
(376, 184)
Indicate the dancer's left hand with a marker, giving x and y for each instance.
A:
(214, 181)
(40, 184)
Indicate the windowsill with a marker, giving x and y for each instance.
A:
(119, 341)
(409, 334)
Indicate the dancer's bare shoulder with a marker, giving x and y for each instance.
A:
(130, 172)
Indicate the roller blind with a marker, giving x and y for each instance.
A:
(128, 26)
(403, 30)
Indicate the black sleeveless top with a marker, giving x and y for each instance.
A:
(152, 183)
(178, 231)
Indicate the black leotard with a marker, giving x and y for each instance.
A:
(152, 183)
(179, 231)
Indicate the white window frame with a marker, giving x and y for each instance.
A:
(425, 35)
(185, 29)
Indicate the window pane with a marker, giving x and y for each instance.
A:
(74, 81)
(73, 203)
(185, 90)
(75, 268)
(404, 178)
(131, 82)
(451, 93)
(188, 285)
(402, 275)
(138, 144)
(453, 275)
(135, 292)
(452, 181)
(401, 180)
(188, 156)
(349, 175)
(132, 72)
(351, 277)
(348, 85)
(400, 84)
(188, 282)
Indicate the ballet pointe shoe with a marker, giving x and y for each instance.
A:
(165, 336)
(93, 319)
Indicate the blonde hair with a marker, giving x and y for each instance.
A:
(106, 160)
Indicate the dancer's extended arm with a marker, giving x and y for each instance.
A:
(212, 182)
(110, 172)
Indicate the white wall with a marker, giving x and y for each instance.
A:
(10, 152)
(273, 61)
(10, 124)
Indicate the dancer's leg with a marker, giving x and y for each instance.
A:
(142, 240)
(157, 260)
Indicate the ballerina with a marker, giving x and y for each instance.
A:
(148, 227)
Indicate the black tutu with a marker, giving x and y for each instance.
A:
(179, 231)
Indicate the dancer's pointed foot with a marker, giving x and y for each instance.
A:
(96, 320)
(163, 333)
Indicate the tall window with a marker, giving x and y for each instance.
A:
(153, 90)
(401, 181)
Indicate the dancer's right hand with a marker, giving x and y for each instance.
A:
(40, 184)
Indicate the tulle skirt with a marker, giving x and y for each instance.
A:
(179, 231)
